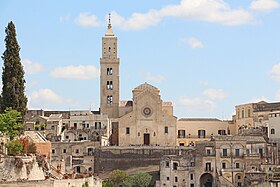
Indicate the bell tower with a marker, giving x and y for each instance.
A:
(109, 74)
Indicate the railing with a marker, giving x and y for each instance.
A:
(77, 162)
(209, 169)
(210, 154)
(88, 153)
(231, 155)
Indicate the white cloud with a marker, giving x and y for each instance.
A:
(46, 95)
(47, 98)
(275, 72)
(264, 5)
(63, 19)
(87, 20)
(154, 78)
(198, 104)
(31, 67)
(205, 10)
(76, 72)
(215, 94)
(194, 42)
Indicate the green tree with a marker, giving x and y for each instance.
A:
(140, 180)
(85, 184)
(13, 74)
(10, 123)
(117, 178)
(14, 147)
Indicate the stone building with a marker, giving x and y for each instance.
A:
(149, 121)
(241, 160)
(87, 125)
(192, 130)
(73, 157)
(254, 114)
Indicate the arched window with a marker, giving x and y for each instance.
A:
(272, 131)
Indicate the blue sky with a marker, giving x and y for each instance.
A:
(206, 56)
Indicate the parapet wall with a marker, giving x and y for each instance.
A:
(107, 159)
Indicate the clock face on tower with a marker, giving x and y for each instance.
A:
(147, 111)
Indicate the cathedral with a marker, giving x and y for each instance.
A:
(146, 119)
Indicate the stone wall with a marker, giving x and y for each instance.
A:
(92, 181)
(14, 168)
(107, 159)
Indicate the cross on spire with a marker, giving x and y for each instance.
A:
(109, 24)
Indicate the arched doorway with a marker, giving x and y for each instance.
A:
(206, 180)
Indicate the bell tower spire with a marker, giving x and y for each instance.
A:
(109, 74)
(109, 31)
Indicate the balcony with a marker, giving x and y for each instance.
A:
(232, 169)
(227, 155)
(181, 136)
(209, 169)
(77, 162)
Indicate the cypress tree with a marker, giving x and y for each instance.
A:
(13, 74)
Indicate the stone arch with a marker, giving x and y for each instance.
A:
(49, 136)
(80, 169)
(238, 178)
(206, 180)
(227, 164)
(71, 136)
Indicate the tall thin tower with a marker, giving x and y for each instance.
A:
(109, 74)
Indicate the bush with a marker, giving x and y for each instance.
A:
(14, 148)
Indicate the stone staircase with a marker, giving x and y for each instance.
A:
(223, 182)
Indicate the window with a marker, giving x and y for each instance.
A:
(138, 133)
(167, 164)
(191, 185)
(109, 71)
(222, 132)
(237, 152)
(52, 127)
(53, 151)
(167, 178)
(127, 130)
(224, 165)
(239, 184)
(109, 85)
(208, 166)
(249, 113)
(201, 133)
(247, 151)
(272, 131)
(261, 151)
(176, 179)
(224, 152)
(77, 150)
(237, 165)
(165, 130)
(181, 133)
(191, 176)
(67, 137)
(97, 125)
(242, 113)
(109, 99)
(175, 165)
(64, 150)
(238, 177)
